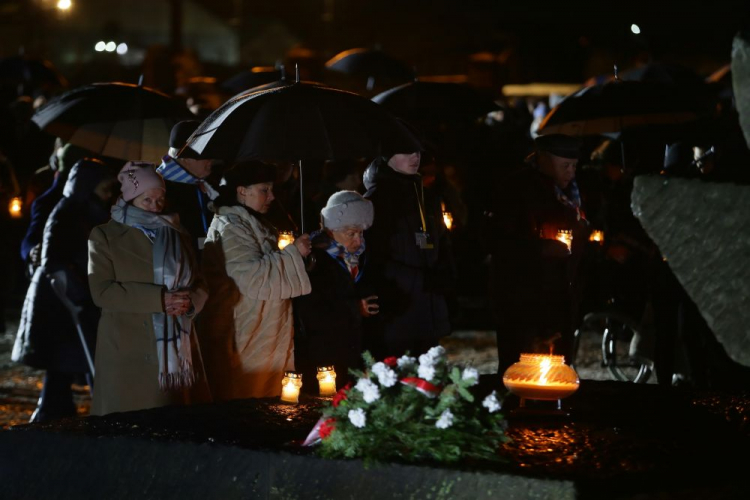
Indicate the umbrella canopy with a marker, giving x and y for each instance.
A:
(301, 121)
(370, 63)
(118, 120)
(435, 101)
(610, 108)
(254, 77)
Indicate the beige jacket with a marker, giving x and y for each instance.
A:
(246, 328)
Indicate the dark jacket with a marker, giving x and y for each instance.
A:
(40, 210)
(47, 337)
(331, 324)
(410, 281)
(191, 203)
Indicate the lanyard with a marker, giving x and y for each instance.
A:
(419, 204)
(203, 208)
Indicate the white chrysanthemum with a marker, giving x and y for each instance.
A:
(406, 362)
(358, 418)
(436, 352)
(445, 420)
(491, 402)
(369, 390)
(426, 372)
(470, 373)
(386, 376)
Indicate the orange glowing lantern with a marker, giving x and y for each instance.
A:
(15, 207)
(565, 236)
(285, 238)
(447, 217)
(541, 376)
(290, 387)
(327, 380)
(597, 236)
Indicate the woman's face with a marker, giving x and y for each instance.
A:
(349, 237)
(405, 163)
(256, 196)
(151, 200)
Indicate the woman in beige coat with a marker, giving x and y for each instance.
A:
(142, 273)
(247, 327)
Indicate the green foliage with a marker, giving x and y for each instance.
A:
(403, 423)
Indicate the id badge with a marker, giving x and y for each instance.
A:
(424, 241)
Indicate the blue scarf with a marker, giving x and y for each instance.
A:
(571, 199)
(170, 170)
(338, 252)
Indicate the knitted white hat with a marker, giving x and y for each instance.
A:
(345, 209)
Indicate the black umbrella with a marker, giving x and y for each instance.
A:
(254, 77)
(435, 101)
(610, 108)
(302, 121)
(370, 63)
(118, 120)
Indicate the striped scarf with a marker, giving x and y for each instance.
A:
(172, 171)
(571, 199)
(345, 259)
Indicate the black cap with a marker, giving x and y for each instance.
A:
(247, 173)
(181, 132)
(561, 145)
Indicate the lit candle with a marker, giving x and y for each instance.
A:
(327, 380)
(448, 220)
(15, 207)
(541, 376)
(290, 386)
(285, 238)
(597, 236)
(565, 236)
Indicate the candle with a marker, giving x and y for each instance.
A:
(290, 386)
(285, 238)
(597, 236)
(327, 380)
(541, 376)
(565, 236)
(15, 207)
(448, 220)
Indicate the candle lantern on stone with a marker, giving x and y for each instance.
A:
(290, 387)
(565, 236)
(285, 238)
(541, 377)
(327, 380)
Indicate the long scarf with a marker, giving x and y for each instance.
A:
(571, 199)
(173, 268)
(172, 171)
(348, 260)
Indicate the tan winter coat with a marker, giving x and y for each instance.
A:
(121, 277)
(246, 328)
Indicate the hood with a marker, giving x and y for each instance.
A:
(85, 175)
(378, 171)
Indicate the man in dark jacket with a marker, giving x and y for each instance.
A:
(185, 174)
(538, 232)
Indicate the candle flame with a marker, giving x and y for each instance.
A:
(597, 236)
(15, 207)
(544, 365)
(448, 220)
(566, 237)
(285, 238)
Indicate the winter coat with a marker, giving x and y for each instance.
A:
(40, 210)
(192, 204)
(247, 328)
(330, 319)
(409, 281)
(121, 276)
(47, 337)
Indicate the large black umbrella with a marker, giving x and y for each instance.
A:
(119, 120)
(610, 108)
(301, 121)
(248, 79)
(435, 101)
(373, 64)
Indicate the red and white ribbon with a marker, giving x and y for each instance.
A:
(428, 389)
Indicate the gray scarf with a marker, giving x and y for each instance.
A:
(173, 268)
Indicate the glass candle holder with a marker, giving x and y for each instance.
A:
(285, 238)
(541, 376)
(326, 380)
(565, 236)
(290, 387)
(15, 207)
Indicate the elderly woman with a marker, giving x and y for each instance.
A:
(247, 326)
(142, 273)
(332, 313)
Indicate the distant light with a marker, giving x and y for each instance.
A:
(64, 4)
(111, 46)
(100, 46)
(122, 48)
(635, 29)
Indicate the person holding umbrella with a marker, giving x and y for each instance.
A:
(144, 275)
(247, 325)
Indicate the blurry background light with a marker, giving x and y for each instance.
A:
(100, 46)
(111, 46)
(635, 29)
(122, 49)
(64, 4)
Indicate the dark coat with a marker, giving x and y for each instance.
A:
(409, 281)
(47, 337)
(331, 324)
(40, 210)
(191, 203)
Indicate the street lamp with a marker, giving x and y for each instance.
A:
(64, 4)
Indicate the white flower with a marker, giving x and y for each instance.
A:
(426, 372)
(470, 373)
(386, 376)
(445, 420)
(368, 389)
(491, 402)
(405, 362)
(358, 418)
(436, 352)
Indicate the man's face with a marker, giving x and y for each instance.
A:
(405, 163)
(199, 168)
(561, 170)
(349, 237)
